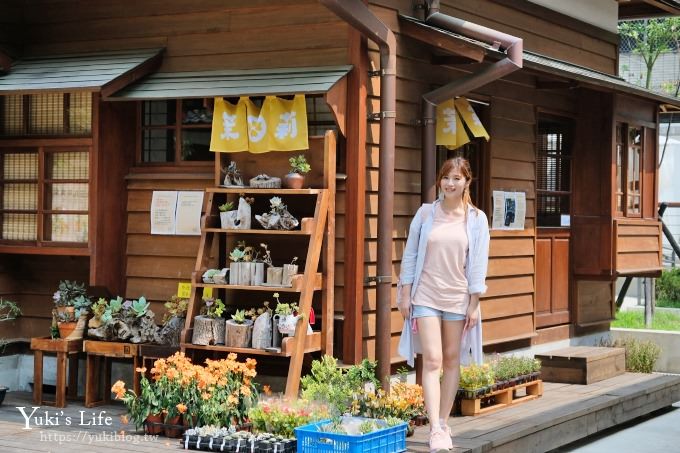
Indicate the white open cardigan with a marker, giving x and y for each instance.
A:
(475, 271)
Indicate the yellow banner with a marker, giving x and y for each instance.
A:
(229, 127)
(471, 119)
(288, 122)
(258, 127)
(450, 131)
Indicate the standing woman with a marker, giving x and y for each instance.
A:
(443, 271)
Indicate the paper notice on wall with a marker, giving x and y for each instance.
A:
(163, 204)
(188, 214)
(509, 210)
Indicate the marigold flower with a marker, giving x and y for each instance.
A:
(181, 408)
(141, 370)
(267, 390)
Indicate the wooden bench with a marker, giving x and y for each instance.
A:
(64, 349)
(582, 364)
(107, 350)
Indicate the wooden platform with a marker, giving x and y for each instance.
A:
(563, 414)
(501, 399)
(582, 364)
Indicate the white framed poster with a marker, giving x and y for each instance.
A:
(188, 213)
(163, 205)
(509, 210)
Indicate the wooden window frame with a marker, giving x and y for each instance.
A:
(624, 138)
(26, 119)
(569, 128)
(178, 128)
(43, 212)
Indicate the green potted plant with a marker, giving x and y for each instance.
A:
(209, 325)
(239, 329)
(71, 308)
(286, 315)
(298, 167)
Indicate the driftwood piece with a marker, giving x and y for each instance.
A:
(281, 220)
(238, 335)
(170, 333)
(262, 331)
(208, 331)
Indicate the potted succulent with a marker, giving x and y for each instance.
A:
(239, 329)
(278, 217)
(71, 309)
(289, 271)
(173, 320)
(209, 325)
(9, 311)
(226, 209)
(286, 315)
(298, 167)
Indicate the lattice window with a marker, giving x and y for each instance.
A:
(46, 114)
(553, 172)
(629, 149)
(49, 204)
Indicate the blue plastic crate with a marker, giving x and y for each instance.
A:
(387, 440)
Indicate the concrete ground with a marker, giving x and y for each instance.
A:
(657, 432)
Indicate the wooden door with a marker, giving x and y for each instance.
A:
(552, 277)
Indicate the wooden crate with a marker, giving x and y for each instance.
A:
(500, 399)
(582, 364)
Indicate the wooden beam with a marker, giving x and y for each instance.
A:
(451, 60)
(355, 197)
(149, 66)
(442, 40)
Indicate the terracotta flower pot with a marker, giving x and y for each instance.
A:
(153, 424)
(293, 181)
(66, 328)
(173, 427)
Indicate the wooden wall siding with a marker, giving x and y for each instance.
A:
(637, 246)
(154, 264)
(513, 102)
(594, 302)
(31, 280)
(203, 34)
(11, 30)
(539, 35)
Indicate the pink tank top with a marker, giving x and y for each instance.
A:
(443, 284)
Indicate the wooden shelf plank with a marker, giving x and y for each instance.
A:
(254, 190)
(298, 285)
(264, 232)
(312, 344)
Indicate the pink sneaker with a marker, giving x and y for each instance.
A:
(447, 430)
(440, 441)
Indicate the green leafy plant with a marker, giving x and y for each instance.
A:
(475, 377)
(71, 294)
(239, 317)
(140, 306)
(641, 356)
(281, 417)
(298, 164)
(228, 206)
(282, 309)
(212, 308)
(9, 310)
(242, 252)
(176, 308)
(329, 384)
(668, 285)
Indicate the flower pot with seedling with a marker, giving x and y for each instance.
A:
(239, 329)
(295, 178)
(289, 270)
(209, 326)
(71, 304)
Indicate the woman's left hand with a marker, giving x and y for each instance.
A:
(471, 317)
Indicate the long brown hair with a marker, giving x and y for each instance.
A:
(462, 165)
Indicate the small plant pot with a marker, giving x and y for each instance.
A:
(66, 328)
(173, 427)
(153, 424)
(293, 181)
(238, 335)
(289, 271)
(208, 331)
(274, 276)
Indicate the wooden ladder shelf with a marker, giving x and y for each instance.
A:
(321, 237)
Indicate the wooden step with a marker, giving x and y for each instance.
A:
(582, 364)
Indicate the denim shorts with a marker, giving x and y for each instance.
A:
(421, 311)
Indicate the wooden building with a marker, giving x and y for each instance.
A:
(82, 150)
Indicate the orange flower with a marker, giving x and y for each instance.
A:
(141, 370)
(181, 408)
(267, 390)
(119, 389)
